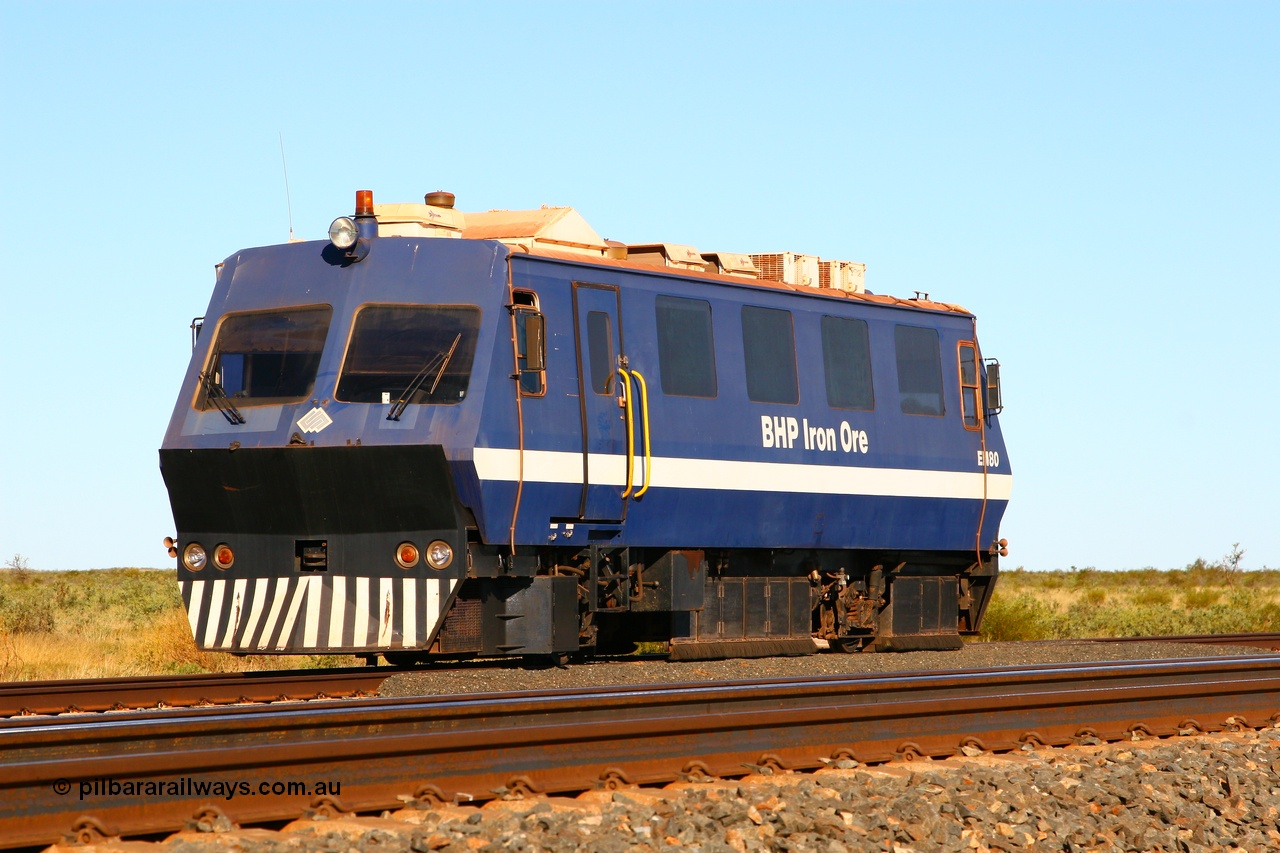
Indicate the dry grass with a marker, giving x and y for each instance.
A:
(1203, 598)
(121, 622)
(110, 622)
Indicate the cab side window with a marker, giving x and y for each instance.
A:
(970, 401)
(531, 345)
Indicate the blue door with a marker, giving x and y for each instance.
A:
(597, 309)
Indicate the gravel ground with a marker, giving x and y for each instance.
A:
(1205, 793)
(500, 678)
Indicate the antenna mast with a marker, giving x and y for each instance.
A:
(288, 202)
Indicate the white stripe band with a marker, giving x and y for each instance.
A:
(386, 612)
(337, 610)
(255, 612)
(554, 466)
(409, 620)
(215, 613)
(237, 612)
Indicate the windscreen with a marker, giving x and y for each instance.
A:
(415, 353)
(267, 356)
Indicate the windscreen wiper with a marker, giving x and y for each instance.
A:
(214, 393)
(398, 407)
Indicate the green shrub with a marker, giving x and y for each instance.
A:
(1022, 617)
(1095, 596)
(1194, 599)
(27, 616)
(1149, 596)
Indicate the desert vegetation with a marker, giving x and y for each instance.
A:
(1204, 597)
(116, 622)
(108, 622)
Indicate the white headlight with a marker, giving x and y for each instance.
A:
(194, 557)
(439, 554)
(343, 233)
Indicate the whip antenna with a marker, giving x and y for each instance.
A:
(288, 202)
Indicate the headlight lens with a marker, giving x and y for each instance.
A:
(223, 556)
(406, 555)
(194, 557)
(439, 554)
(343, 232)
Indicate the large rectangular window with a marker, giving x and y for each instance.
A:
(266, 357)
(919, 370)
(686, 351)
(421, 353)
(846, 357)
(769, 350)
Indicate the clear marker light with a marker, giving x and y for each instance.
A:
(439, 554)
(194, 557)
(343, 233)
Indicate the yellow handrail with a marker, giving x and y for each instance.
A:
(629, 417)
(644, 419)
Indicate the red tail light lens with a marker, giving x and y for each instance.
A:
(407, 555)
(223, 556)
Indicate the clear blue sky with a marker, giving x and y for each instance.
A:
(1099, 182)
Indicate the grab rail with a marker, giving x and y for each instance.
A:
(644, 419)
(629, 417)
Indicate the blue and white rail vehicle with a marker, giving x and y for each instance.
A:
(450, 435)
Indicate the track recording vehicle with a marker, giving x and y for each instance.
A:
(447, 434)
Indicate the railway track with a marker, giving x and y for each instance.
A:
(1250, 640)
(27, 698)
(57, 774)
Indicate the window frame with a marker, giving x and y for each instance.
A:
(750, 362)
(524, 304)
(351, 336)
(826, 365)
(975, 399)
(212, 362)
(608, 368)
(941, 384)
(663, 362)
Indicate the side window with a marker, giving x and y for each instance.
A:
(530, 343)
(600, 352)
(919, 370)
(846, 357)
(969, 390)
(769, 350)
(686, 351)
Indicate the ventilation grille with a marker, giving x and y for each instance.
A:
(788, 267)
(848, 276)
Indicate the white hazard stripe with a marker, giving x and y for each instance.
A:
(554, 466)
(316, 612)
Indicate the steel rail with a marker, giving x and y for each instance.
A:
(105, 694)
(384, 753)
(1253, 640)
